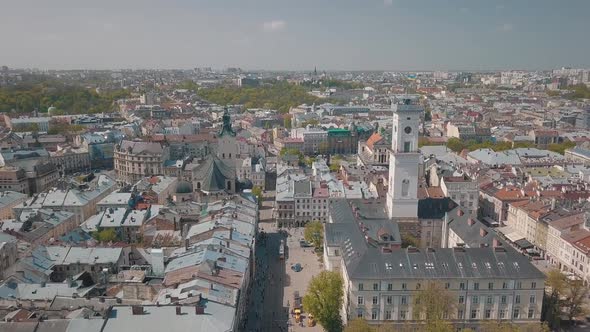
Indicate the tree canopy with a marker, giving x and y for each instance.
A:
(434, 305)
(257, 191)
(333, 83)
(67, 98)
(567, 296)
(314, 233)
(457, 145)
(280, 96)
(106, 235)
(561, 147)
(323, 300)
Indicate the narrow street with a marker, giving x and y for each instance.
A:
(275, 281)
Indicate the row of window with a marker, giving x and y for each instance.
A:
(474, 299)
(315, 207)
(318, 214)
(474, 314)
(475, 285)
(307, 200)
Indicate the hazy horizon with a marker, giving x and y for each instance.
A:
(283, 35)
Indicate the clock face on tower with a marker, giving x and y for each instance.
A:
(408, 130)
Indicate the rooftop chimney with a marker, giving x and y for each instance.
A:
(460, 212)
(199, 310)
(470, 221)
(496, 243)
(483, 232)
(137, 310)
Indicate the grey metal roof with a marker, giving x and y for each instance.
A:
(213, 174)
(447, 263)
(217, 318)
(302, 188)
(473, 232)
(367, 261)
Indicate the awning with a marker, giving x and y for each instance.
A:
(523, 244)
(510, 233)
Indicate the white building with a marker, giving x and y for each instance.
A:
(402, 195)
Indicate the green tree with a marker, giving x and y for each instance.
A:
(58, 127)
(309, 160)
(434, 305)
(314, 233)
(575, 295)
(410, 240)
(561, 147)
(30, 127)
(556, 281)
(551, 311)
(323, 300)
(358, 325)
(310, 122)
(257, 191)
(323, 148)
(106, 235)
(287, 122)
(455, 144)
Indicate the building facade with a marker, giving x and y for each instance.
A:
(135, 160)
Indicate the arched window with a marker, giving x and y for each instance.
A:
(228, 185)
(405, 187)
(198, 185)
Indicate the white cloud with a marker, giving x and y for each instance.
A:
(506, 27)
(388, 2)
(274, 25)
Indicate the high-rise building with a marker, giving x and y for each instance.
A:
(402, 195)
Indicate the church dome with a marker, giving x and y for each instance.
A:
(184, 187)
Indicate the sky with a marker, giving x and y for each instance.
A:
(295, 34)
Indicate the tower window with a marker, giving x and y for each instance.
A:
(405, 187)
(407, 146)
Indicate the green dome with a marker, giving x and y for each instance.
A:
(184, 187)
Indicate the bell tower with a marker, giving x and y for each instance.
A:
(402, 194)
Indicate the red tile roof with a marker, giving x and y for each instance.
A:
(376, 137)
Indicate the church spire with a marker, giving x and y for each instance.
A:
(226, 126)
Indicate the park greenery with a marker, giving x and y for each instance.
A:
(561, 147)
(578, 91)
(333, 83)
(324, 298)
(280, 96)
(314, 233)
(66, 98)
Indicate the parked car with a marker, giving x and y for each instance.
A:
(304, 244)
(296, 267)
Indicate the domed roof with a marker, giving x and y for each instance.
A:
(184, 187)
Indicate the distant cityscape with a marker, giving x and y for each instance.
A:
(238, 200)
